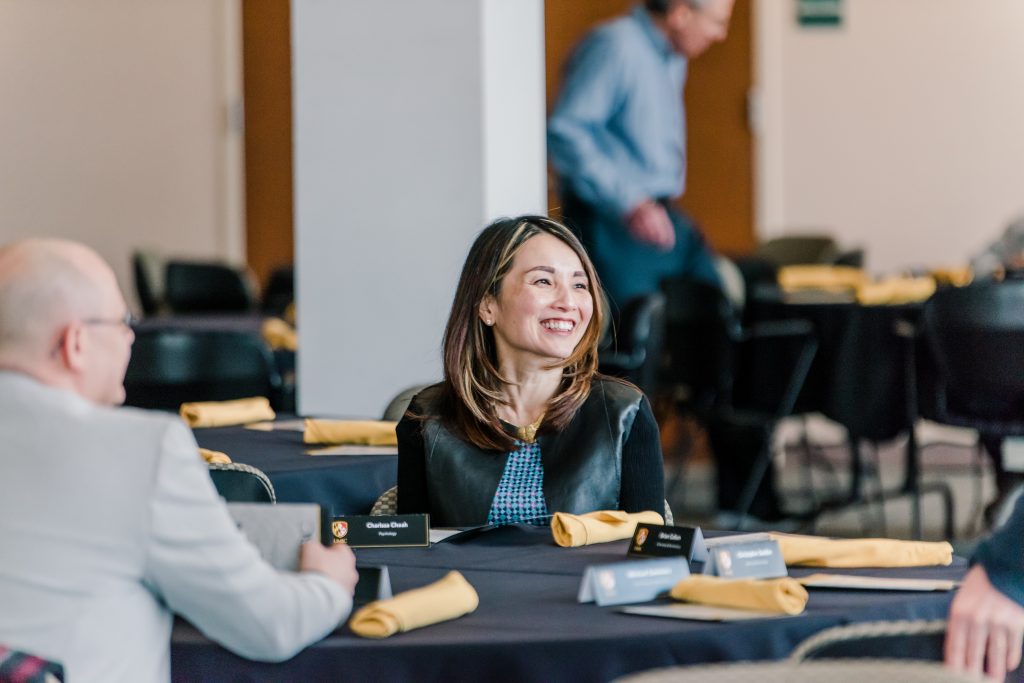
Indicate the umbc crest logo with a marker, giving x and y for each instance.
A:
(339, 528)
(641, 536)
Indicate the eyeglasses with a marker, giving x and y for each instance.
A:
(128, 320)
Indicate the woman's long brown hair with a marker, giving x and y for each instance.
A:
(473, 386)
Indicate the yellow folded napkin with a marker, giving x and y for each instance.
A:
(959, 276)
(214, 457)
(828, 278)
(812, 551)
(360, 432)
(895, 290)
(448, 598)
(279, 335)
(226, 413)
(572, 531)
(770, 595)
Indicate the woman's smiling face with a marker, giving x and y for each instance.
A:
(544, 305)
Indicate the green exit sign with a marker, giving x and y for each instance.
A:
(819, 12)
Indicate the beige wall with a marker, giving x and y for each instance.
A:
(114, 126)
(903, 131)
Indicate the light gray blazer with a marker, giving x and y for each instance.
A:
(108, 523)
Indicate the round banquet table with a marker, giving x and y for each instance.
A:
(529, 626)
(340, 484)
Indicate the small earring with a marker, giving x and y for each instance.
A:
(488, 322)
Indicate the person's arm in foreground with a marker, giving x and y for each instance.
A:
(202, 566)
(986, 620)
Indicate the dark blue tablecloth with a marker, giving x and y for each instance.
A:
(529, 626)
(341, 484)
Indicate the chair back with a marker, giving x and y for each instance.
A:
(832, 671)
(904, 639)
(792, 250)
(206, 287)
(699, 328)
(386, 503)
(280, 291)
(738, 382)
(169, 367)
(240, 483)
(976, 336)
(148, 273)
(635, 351)
(400, 403)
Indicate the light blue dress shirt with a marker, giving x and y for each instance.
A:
(617, 135)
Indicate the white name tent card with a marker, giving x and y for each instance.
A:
(621, 583)
(753, 560)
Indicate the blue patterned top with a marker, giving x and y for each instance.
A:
(520, 494)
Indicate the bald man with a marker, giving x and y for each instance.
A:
(108, 519)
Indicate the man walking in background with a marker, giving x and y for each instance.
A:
(617, 140)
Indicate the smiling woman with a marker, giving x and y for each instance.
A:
(522, 426)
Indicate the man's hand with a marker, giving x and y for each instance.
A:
(650, 223)
(984, 626)
(336, 563)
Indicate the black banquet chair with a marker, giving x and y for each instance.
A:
(970, 363)
(976, 337)
(197, 287)
(280, 291)
(634, 350)
(170, 367)
(739, 381)
(240, 483)
(903, 639)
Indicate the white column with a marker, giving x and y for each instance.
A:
(416, 123)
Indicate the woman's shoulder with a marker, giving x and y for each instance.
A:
(614, 391)
(426, 402)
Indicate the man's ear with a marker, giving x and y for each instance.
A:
(72, 347)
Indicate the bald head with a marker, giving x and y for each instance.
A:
(51, 292)
(44, 284)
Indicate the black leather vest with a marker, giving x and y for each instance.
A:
(582, 463)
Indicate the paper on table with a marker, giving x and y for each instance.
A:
(297, 425)
(875, 583)
(350, 449)
(700, 612)
(438, 535)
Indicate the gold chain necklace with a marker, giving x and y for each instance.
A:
(528, 434)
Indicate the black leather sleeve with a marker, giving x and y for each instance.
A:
(643, 474)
